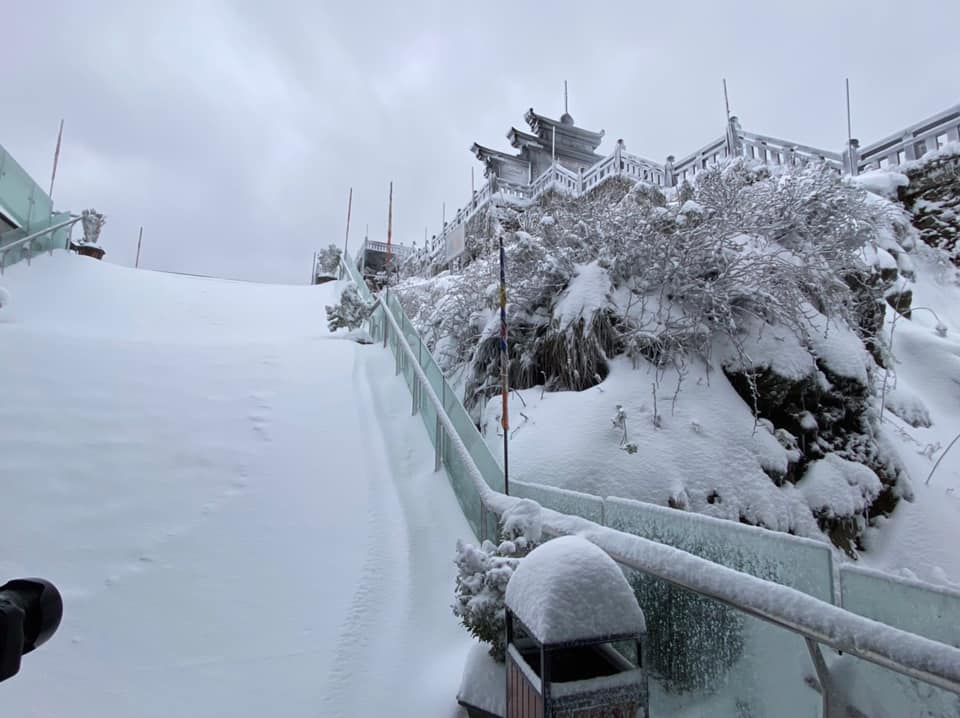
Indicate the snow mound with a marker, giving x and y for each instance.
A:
(484, 681)
(881, 182)
(570, 590)
(839, 487)
(587, 294)
(908, 407)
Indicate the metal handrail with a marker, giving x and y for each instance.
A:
(31, 238)
(36, 235)
(817, 621)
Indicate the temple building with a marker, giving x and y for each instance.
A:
(572, 146)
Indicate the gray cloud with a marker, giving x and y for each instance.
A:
(232, 131)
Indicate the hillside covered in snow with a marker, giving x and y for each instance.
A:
(776, 347)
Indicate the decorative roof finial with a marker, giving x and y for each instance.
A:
(566, 119)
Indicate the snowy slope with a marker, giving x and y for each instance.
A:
(920, 538)
(237, 506)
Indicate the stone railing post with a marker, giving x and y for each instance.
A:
(669, 178)
(733, 134)
(619, 155)
(851, 157)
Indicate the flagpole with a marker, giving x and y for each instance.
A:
(504, 369)
(389, 231)
(136, 264)
(56, 159)
(349, 208)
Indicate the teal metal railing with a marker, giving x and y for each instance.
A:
(736, 615)
(30, 208)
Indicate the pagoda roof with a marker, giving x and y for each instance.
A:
(485, 153)
(520, 139)
(542, 126)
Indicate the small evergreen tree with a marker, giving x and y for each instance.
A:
(484, 571)
(328, 260)
(350, 313)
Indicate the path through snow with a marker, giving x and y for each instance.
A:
(238, 507)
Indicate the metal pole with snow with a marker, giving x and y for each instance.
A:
(349, 208)
(389, 231)
(136, 263)
(504, 367)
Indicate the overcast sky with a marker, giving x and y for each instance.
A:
(232, 131)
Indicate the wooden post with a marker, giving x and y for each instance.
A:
(136, 264)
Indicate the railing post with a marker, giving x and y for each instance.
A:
(483, 522)
(669, 180)
(733, 135)
(415, 393)
(831, 704)
(438, 447)
(851, 157)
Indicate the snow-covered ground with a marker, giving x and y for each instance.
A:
(706, 455)
(237, 506)
(920, 538)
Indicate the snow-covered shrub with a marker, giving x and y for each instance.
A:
(351, 312)
(328, 261)
(484, 571)
(775, 276)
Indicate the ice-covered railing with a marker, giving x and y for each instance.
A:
(910, 143)
(777, 619)
(29, 208)
(53, 237)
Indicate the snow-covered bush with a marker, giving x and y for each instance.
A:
(775, 276)
(351, 312)
(328, 261)
(484, 571)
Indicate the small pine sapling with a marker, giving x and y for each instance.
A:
(483, 573)
(350, 313)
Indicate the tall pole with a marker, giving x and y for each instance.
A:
(849, 123)
(389, 231)
(504, 369)
(566, 108)
(443, 215)
(726, 99)
(136, 264)
(473, 190)
(56, 159)
(349, 208)
(553, 146)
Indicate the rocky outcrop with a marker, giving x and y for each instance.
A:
(933, 199)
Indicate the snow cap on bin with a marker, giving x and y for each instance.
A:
(569, 590)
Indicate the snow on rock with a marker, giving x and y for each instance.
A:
(881, 182)
(569, 589)
(484, 682)
(588, 292)
(763, 346)
(840, 350)
(835, 486)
